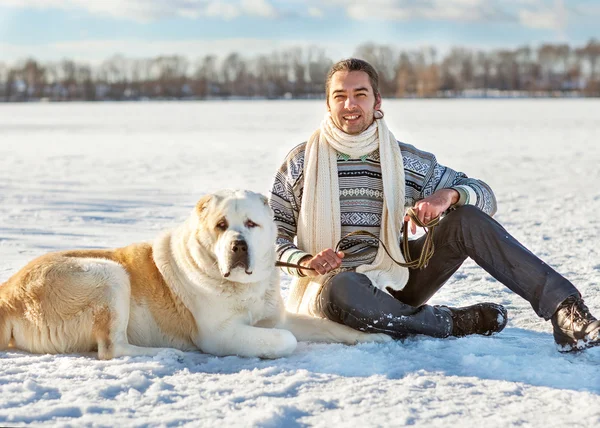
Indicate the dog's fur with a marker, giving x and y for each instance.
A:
(209, 284)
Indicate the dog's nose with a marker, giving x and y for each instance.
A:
(239, 246)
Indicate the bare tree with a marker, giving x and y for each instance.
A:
(232, 70)
(592, 54)
(385, 60)
(34, 76)
(318, 66)
(4, 70)
(406, 76)
(206, 77)
(525, 68)
(299, 70)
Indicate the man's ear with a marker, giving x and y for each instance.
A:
(377, 105)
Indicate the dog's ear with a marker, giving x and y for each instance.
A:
(264, 199)
(203, 204)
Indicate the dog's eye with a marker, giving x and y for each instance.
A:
(222, 225)
(250, 224)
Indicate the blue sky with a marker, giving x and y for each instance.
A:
(93, 30)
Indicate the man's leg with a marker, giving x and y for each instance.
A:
(349, 298)
(468, 232)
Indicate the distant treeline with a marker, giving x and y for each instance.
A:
(547, 70)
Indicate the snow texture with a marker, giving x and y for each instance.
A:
(107, 174)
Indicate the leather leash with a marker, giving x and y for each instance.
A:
(421, 262)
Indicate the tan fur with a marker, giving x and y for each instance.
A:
(185, 291)
(47, 307)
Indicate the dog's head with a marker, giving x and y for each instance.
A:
(236, 229)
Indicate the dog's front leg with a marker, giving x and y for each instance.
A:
(307, 328)
(248, 341)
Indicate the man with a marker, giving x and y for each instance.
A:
(352, 175)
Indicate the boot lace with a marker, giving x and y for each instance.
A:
(577, 312)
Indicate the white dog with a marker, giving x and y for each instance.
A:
(210, 284)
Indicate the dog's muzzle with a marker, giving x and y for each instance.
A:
(238, 257)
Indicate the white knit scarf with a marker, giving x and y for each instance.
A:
(319, 224)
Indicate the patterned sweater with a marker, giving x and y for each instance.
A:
(361, 198)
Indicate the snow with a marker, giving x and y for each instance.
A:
(108, 174)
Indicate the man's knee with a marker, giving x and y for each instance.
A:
(341, 290)
(467, 215)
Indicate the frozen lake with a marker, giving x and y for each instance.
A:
(106, 175)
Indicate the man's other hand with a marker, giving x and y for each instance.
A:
(433, 206)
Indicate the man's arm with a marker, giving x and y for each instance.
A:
(472, 192)
(425, 176)
(285, 201)
(433, 188)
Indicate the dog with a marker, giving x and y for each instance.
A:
(209, 284)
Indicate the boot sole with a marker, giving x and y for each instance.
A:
(565, 343)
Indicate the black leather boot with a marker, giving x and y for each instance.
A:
(482, 318)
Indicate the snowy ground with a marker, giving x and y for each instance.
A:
(106, 175)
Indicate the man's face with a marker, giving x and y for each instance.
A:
(351, 101)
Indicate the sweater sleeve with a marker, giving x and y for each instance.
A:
(285, 201)
(424, 176)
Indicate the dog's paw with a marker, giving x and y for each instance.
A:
(170, 355)
(374, 337)
(283, 344)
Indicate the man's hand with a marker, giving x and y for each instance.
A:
(326, 261)
(432, 206)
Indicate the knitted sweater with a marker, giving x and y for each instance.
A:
(361, 199)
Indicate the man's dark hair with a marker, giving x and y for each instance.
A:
(353, 64)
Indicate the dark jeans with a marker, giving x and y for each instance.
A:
(350, 298)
